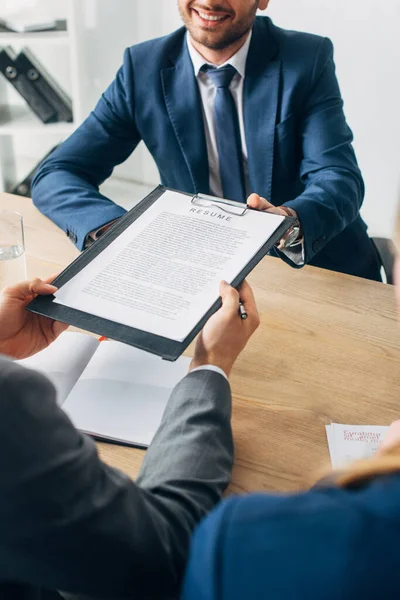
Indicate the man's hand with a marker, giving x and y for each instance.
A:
(225, 334)
(259, 203)
(23, 333)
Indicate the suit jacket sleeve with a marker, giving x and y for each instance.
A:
(334, 189)
(70, 522)
(66, 186)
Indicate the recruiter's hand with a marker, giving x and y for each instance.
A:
(23, 333)
(226, 334)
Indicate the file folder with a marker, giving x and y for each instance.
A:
(24, 187)
(29, 66)
(39, 105)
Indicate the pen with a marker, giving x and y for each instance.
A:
(242, 311)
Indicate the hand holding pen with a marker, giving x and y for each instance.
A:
(242, 311)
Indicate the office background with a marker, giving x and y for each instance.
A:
(367, 54)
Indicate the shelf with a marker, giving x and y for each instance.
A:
(20, 119)
(42, 37)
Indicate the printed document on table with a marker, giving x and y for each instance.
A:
(353, 442)
(162, 274)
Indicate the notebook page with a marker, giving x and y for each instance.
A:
(162, 274)
(123, 392)
(64, 360)
(331, 443)
(353, 442)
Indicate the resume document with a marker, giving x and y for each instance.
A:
(162, 274)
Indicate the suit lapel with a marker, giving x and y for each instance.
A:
(182, 98)
(261, 98)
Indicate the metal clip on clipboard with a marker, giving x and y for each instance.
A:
(206, 201)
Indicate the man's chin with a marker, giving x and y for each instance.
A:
(213, 41)
(212, 44)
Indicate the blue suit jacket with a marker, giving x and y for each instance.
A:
(299, 145)
(329, 543)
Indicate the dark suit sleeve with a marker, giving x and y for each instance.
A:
(66, 186)
(70, 522)
(334, 189)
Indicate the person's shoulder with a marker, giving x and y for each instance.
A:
(160, 48)
(278, 539)
(338, 512)
(293, 42)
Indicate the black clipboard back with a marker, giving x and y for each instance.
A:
(158, 345)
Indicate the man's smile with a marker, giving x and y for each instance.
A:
(209, 19)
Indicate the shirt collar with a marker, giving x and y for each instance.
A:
(238, 60)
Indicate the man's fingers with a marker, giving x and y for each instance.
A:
(230, 297)
(275, 210)
(258, 202)
(59, 327)
(247, 298)
(51, 278)
(37, 286)
(26, 289)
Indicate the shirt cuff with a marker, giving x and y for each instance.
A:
(295, 253)
(211, 368)
(94, 235)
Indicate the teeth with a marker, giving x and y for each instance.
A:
(210, 18)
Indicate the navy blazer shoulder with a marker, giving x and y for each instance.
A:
(327, 543)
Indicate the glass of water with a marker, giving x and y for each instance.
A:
(12, 249)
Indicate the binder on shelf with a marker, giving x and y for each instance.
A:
(24, 187)
(29, 65)
(38, 104)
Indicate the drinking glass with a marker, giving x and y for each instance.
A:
(12, 248)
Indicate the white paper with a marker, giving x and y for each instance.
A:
(162, 273)
(123, 392)
(331, 443)
(353, 442)
(64, 360)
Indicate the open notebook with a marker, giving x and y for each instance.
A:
(109, 390)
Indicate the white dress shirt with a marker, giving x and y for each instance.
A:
(207, 94)
(211, 368)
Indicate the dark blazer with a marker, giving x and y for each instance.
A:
(328, 543)
(299, 145)
(70, 522)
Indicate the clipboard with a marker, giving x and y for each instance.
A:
(149, 342)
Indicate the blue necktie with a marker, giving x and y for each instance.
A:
(228, 134)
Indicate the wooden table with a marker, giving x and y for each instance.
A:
(327, 349)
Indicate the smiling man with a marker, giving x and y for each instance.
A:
(233, 106)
